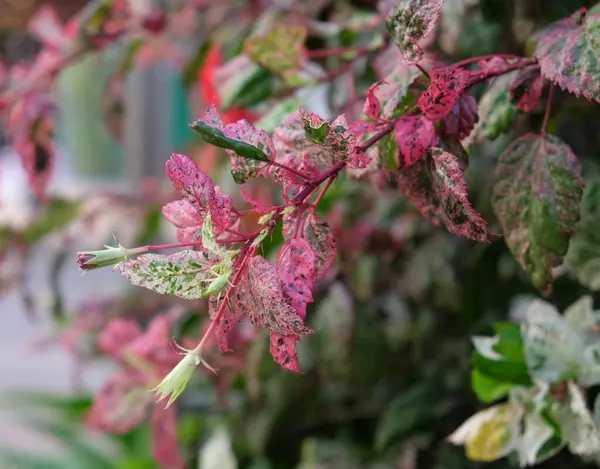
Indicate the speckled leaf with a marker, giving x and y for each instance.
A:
(283, 350)
(526, 89)
(414, 136)
(437, 187)
(462, 117)
(279, 50)
(247, 146)
(411, 21)
(296, 270)
(536, 193)
(336, 137)
(266, 306)
(183, 274)
(198, 192)
(446, 85)
(290, 138)
(569, 53)
(320, 238)
(583, 256)
(184, 217)
(372, 106)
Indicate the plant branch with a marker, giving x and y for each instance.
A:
(548, 109)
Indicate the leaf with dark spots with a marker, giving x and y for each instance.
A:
(320, 238)
(410, 22)
(526, 89)
(446, 86)
(436, 185)
(283, 349)
(537, 189)
(414, 136)
(296, 270)
(462, 118)
(372, 106)
(568, 52)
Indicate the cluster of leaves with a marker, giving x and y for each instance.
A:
(424, 118)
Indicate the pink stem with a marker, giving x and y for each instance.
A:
(291, 170)
(485, 57)
(548, 109)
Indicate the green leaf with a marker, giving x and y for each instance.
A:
(568, 52)
(275, 116)
(487, 388)
(55, 215)
(279, 49)
(404, 414)
(257, 88)
(537, 189)
(388, 152)
(583, 257)
(216, 137)
(510, 341)
(507, 371)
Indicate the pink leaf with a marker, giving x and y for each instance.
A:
(185, 218)
(372, 106)
(296, 270)
(264, 302)
(290, 138)
(410, 22)
(462, 118)
(260, 208)
(568, 52)
(301, 162)
(116, 336)
(198, 191)
(526, 89)
(437, 187)
(121, 404)
(320, 238)
(446, 85)
(228, 320)
(45, 25)
(414, 135)
(283, 349)
(165, 447)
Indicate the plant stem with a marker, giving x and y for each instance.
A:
(548, 109)
(423, 71)
(485, 57)
(510, 68)
(291, 170)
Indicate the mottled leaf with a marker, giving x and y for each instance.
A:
(320, 238)
(296, 271)
(583, 256)
(280, 49)
(553, 350)
(446, 86)
(290, 138)
(283, 350)
(240, 138)
(414, 136)
(183, 274)
(568, 52)
(266, 306)
(437, 187)
(536, 193)
(526, 89)
(410, 22)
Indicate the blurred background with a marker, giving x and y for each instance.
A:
(387, 377)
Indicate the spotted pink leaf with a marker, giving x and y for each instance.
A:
(319, 236)
(437, 187)
(296, 270)
(121, 404)
(372, 107)
(568, 52)
(116, 336)
(526, 89)
(410, 22)
(301, 162)
(462, 118)
(164, 444)
(414, 135)
(198, 192)
(445, 87)
(289, 138)
(185, 218)
(283, 350)
(231, 316)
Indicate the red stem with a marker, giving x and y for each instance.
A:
(291, 170)
(494, 73)
(548, 109)
(485, 57)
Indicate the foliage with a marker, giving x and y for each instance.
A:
(359, 251)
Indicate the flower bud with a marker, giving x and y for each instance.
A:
(111, 256)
